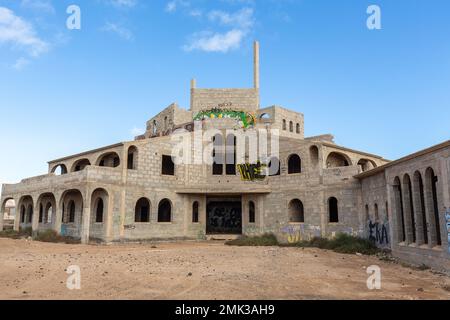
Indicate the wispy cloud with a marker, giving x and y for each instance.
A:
(121, 31)
(20, 63)
(40, 5)
(174, 5)
(240, 22)
(19, 33)
(123, 3)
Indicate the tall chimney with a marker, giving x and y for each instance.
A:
(256, 64)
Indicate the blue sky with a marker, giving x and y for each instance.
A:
(65, 91)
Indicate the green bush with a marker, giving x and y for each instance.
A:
(265, 240)
(342, 243)
(52, 236)
(12, 234)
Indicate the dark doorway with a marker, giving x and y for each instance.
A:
(224, 216)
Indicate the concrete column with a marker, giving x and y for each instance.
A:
(18, 214)
(86, 218)
(256, 64)
(2, 217)
(417, 203)
(407, 212)
(58, 217)
(109, 217)
(35, 220)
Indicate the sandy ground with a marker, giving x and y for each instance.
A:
(209, 270)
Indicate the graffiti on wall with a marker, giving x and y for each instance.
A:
(297, 233)
(245, 119)
(252, 172)
(447, 221)
(378, 233)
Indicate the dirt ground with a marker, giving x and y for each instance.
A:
(206, 270)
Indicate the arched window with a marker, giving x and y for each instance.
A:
(59, 170)
(251, 212)
(274, 166)
(433, 208)
(22, 214)
(165, 211)
(142, 210)
(284, 124)
(110, 159)
(419, 200)
(297, 128)
(291, 126)
(155, 128)
(71, 212)
(408, 208)
(366, 164)
(195, 212)
(48, 213)
(41, 213)
(367, 213)
(333, 210)
(80, 165)
(314, 155)
(218, 157)
(168, 166)
(294, 164)
(231, 155)
(296, 211)
(132, 158)
(335, 160)
(377, 217)
(99, 211)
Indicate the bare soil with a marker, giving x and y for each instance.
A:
(203, 270)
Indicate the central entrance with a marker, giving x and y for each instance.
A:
(224, 215)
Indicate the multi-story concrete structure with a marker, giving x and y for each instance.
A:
(136, 190)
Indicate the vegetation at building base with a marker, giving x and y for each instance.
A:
(266, 240)
(43, 236)
(342, 243)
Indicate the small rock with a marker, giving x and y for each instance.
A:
(420, 290)
(359, 254)
(189, 274)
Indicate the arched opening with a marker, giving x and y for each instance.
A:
(26, 210)
(296, 211)
(367, 213)
(132, 158)
(71, 212)
(165, 123)
(297, 130)
(284, 124)
(294, 164)
(419, 205)
(80, 165)
(265, 116)
(46, 202)
(376, 213)
(432, 206)
(48, 213)
(251, 212)
(165, 211)
(218, 157)
(195, 212)
(291, 126)
(333, 210)
(408, 207)
(314, 155)
(99, 206)
(274, 167)
(110, 159)
(154, 128)
(59, 169)
(230, 155)
(336, 160)
(366, 164)
(167, 166)
(29, 214)
(8, 213)
(142, 210)
(401, 234)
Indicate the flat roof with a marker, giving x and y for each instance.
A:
(86, 152)
(404, 159)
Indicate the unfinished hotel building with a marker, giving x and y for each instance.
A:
(133, 190)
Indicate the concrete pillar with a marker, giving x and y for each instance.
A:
(86, 218)
(35, 220)
(2, 216)
(58, 217)
(407, 213)
(256, 64)
(109, 217)
(18, 214)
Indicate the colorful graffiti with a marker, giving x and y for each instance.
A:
(297, 233)
(378, 233)
(245, 119)
(447, 221)
(252, 172)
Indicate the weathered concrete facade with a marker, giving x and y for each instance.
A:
(134, 191)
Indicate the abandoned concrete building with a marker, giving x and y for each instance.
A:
(135, 190)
